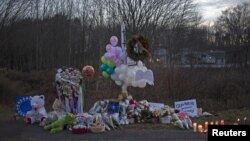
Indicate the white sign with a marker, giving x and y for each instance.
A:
(188, 106)
(155, 106)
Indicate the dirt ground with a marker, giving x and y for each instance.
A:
(11, 130)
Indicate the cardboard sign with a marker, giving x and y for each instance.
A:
(188, 106)
(155, 106)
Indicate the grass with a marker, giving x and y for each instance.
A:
(229, 117)
(6, 112)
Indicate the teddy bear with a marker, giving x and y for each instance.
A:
(58, 125)
(58, 112)
(38, 112)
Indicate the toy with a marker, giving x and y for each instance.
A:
(59, 124)
(38, 112)
(176, 121)
(57, 113)
(123, 114)
(99, 107)
(186, 121)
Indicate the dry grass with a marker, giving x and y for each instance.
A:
(214, 89)
(229, 116)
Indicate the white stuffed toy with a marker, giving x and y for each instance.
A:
(58, 112)
(38, 112)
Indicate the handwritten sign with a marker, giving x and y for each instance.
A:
(188, 106)
(155, 106)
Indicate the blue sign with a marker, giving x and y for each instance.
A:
(23, 105)
(113, 107)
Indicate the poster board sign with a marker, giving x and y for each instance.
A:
(188, 106)
(155, 106)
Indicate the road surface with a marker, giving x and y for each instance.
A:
(11, 130)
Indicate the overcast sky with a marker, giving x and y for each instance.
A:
(211, 9)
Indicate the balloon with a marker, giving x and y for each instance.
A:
(88, 72)
(104, 67)
(105, 74)
(123, 68)
(118, 83)
(110, 64)
(121, 76)
(103, 60)
(114, 76)
(114, 41)
(110, 71)
(142, 84)
(108, 47)
(108, 55)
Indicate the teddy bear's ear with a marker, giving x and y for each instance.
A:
(42, 97)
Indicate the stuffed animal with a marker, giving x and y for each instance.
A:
(59, 125)
(38, 112)
(58, 112)
(99, 107)
(176, 121)
(123, 114)
(187, 122)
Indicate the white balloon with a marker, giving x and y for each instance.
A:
(114, 76)
(123, 68)
(140, 64)
(117, 69)
(142, 85)
(119, 83)
(121, 77)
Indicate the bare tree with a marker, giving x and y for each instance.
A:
(233, 30)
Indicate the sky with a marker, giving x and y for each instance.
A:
(211, 9)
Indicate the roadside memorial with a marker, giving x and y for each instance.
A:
(125, 65)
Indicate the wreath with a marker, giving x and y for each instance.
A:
(138, 48)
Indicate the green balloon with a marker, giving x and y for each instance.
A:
(103, 60)
(105, 74)
(110, 64)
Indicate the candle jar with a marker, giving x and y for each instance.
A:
(195, 127)
(211, 123)
(216, 122)
(206, 125)
(222, 122)
(200, 128)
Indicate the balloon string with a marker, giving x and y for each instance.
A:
(82, 90)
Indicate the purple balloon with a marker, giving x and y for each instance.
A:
(107, 55)
(108, 47)
(114, 41)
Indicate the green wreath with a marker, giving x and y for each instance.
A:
(138, 48)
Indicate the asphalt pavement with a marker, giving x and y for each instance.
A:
(11, 130)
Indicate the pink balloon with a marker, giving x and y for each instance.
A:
(114, 41)
(108, 47)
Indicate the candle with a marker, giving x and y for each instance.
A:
(211, 123)
(245, 120)
(200, 128)
(238, 121)
(195, 127)
(222, 122)
(216, 122)
(206, 125)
